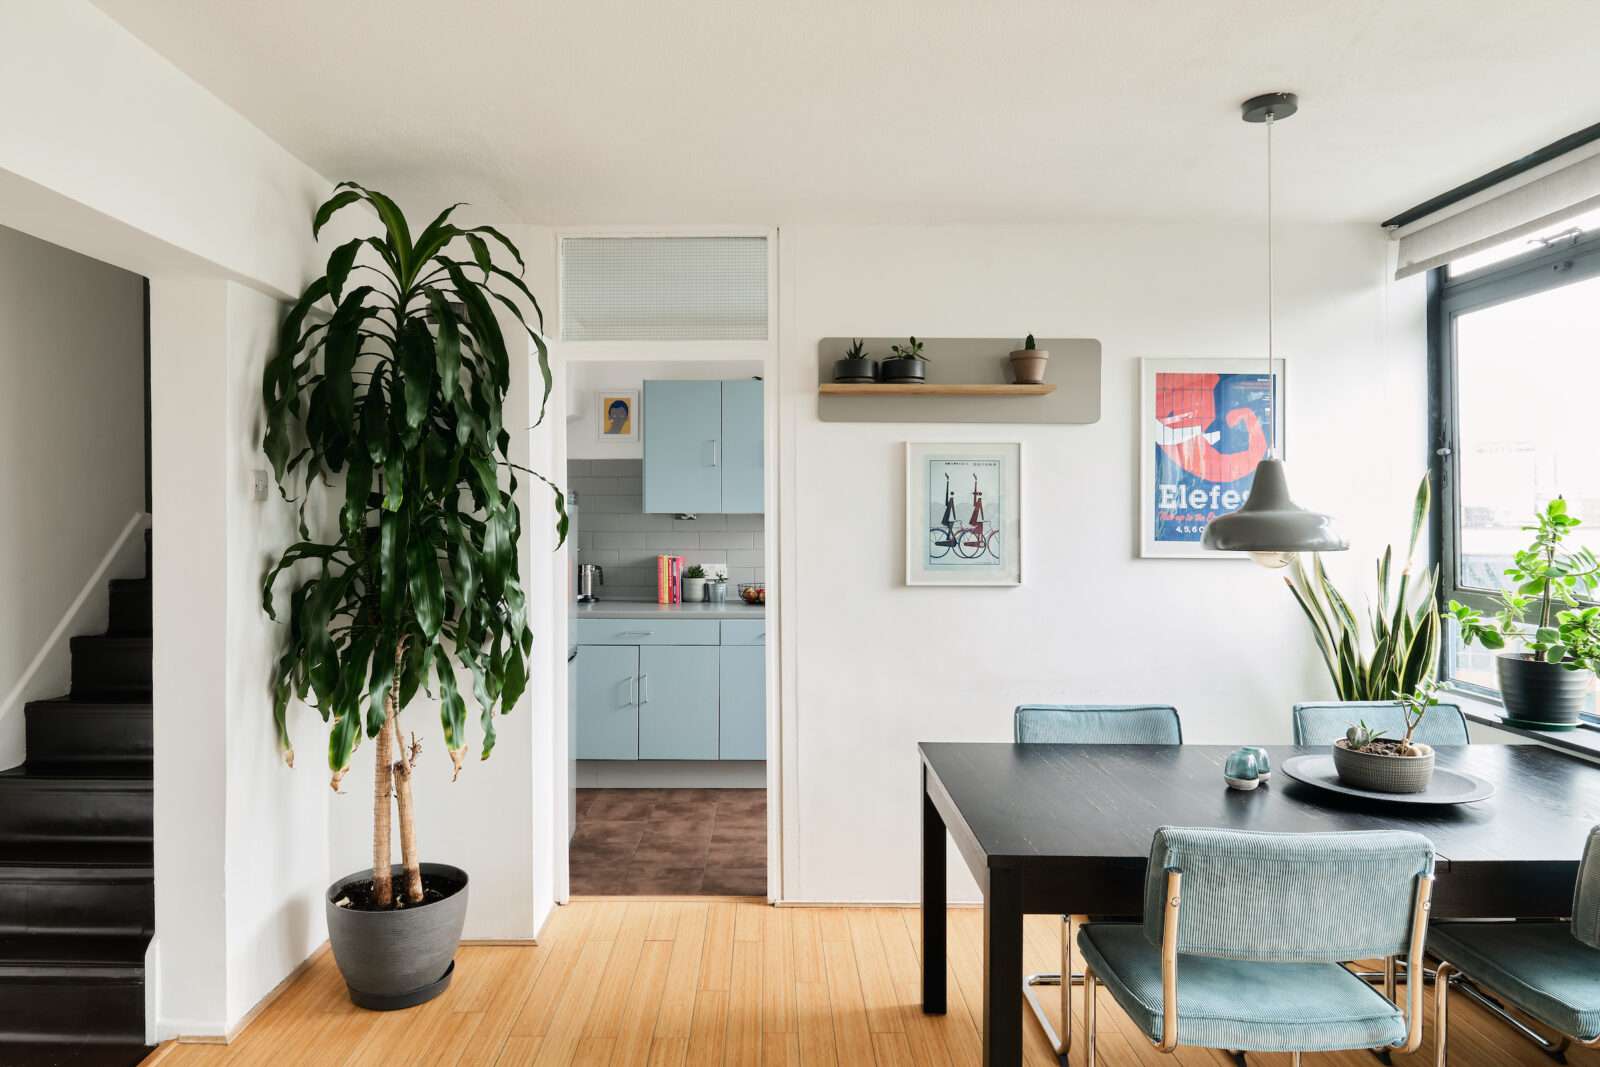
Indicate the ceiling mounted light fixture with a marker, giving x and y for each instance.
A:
(1270, 525)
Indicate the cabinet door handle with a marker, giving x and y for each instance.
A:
(636, 633)
(633, 692)
(716, 452)
(644, 689)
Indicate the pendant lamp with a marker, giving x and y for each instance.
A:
(1270, 525)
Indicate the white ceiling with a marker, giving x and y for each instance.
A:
(776, 111)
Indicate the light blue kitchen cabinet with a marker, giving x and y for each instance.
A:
(703, 447)
(742, 463)
(608, 709)
(743, 724)
(683, 450)
(678, 698)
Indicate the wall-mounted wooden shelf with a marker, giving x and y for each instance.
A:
(930, 389)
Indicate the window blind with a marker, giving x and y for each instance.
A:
(664, 289)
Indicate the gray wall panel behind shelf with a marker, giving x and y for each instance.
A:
(1074, 370)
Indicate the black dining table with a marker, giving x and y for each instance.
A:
(1066, 829)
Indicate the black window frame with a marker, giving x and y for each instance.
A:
(1571, 259)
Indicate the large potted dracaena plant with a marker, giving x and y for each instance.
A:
(390, 375)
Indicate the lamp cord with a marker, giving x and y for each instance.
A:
(1272, 382)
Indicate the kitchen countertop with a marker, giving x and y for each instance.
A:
(642, 609)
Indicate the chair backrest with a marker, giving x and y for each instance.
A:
(1586, 898)
(1324, 722)
(1098, 724)
(1288, 898)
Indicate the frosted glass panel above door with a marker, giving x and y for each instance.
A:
(664, 289)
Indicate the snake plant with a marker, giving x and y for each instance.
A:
(1393, 650)
(384, 399)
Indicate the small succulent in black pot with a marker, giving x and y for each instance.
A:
(907, 364)
(857, 364)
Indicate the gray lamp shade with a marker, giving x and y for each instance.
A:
(1270, 521)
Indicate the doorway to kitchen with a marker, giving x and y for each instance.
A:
(667, 681)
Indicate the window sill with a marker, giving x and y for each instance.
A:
(1487, 711)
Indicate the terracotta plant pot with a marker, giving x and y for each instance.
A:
(1382, 773)
(903, 370)
(1540, 694)
(1028, 365)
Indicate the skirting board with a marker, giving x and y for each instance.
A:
(261, 1005)
(672, 774)
(1074, 369)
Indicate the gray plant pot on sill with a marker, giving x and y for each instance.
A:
(1380, 773)
(397, 959)
(855, 370)
(1536, 692)
(903, 370)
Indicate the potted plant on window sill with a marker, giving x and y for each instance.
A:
(1546, 686)
(398, 392)
(1365, 759)
(907, 364)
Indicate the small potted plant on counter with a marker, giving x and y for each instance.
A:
(694, 584)
(1365, 759)
(1028, 363)
(1546, 685)
(856, 366)
(907, 364)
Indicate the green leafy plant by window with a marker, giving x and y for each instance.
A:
(1548, 574)
(1391, 650)
(391, 374)
(912, 349)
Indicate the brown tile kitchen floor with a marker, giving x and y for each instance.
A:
(670, 842)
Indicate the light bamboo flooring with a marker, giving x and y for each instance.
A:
(693, 983)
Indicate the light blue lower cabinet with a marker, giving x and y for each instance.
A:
(743, 725)
(678, 698)
(608, 714)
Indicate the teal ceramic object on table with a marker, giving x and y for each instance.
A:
(1242, 770)
(1263, 762)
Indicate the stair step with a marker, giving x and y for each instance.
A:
(130, 607)
(88, 802)
(109, 668)
(79, 1054)
(80, 731)
(77, 887)
(71, 989)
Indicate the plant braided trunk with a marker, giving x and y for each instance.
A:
(382, 787)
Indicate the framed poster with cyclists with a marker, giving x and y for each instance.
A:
(1204, 425)
(963, 514)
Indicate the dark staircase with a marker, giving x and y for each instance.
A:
(77, 890)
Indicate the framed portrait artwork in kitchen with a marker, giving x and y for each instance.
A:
(618, 411)
(1204, 424)
(963, 514)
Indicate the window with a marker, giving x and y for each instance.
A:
(1515, 361)
(664, 289)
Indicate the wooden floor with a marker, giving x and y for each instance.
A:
(693, 983)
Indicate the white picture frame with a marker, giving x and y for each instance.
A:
(971, 533)
(1180, 435)
(607, 428)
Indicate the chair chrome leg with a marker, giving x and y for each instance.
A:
(1556, 1049)
(1295, 1060)
(1441, 1016)
(1061, 1045)
(1089, 986)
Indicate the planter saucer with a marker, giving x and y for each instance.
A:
(1535, 724)
(397, 1001)
(1447, 786)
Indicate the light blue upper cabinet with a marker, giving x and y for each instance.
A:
(683, 450)
(678, 694)
(741, 447)
(703, 447)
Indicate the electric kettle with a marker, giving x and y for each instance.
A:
(590, 575)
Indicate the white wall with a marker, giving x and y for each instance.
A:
(585, 380)
(71, 459)
(872, 667)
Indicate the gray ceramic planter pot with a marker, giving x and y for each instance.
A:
(1538, 693)
(396, 959)
(903, 370)
(855, 370)
(1382, 774)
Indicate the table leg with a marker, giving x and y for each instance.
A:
(1002, 964)
(934, 894)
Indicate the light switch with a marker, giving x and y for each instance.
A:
(258, 480)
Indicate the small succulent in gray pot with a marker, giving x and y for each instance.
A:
(1365, 759)
(857, 364)
(907, 364)
(1028, 363)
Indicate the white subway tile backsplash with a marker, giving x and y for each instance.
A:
(727, 539)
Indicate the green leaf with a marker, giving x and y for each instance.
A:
(452, 709)
(1419, 513)
(447, 346)
(339, 264)
(329, 206)
(427, 588)
(416, 373)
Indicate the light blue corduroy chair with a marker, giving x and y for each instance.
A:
(1324, 722)
(1244, 933)
(1550, 970)
(1085, 724)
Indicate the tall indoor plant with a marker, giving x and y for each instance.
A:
(1393, 651)
(1546, 685)
(391, 373)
